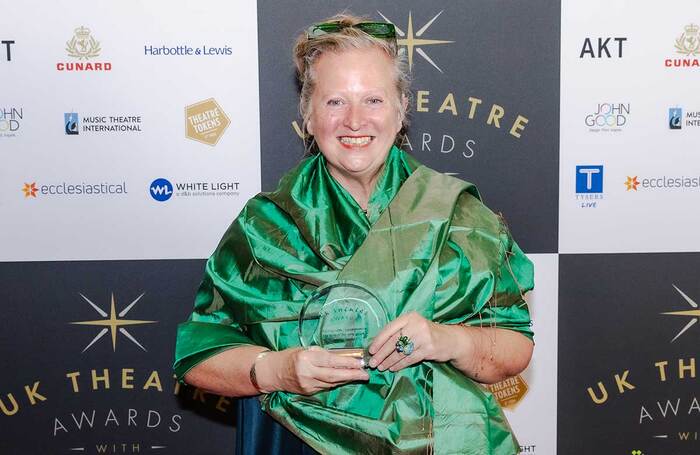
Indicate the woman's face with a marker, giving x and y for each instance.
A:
(354, 111)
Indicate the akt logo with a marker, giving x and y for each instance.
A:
(161, 190)
(8, 53)
(70, 120)
(587, 50)
(675, 114)
(589, 179)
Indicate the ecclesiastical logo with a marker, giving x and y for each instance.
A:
(631, 183)
(113, 322)
(411, 41)
(693, 314)
(689, 42)
(83, 46)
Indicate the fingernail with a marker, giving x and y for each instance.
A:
(372, 363)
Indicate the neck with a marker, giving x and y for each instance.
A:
(360, 187)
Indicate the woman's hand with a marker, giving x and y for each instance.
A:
(307, 371)
(431, 341)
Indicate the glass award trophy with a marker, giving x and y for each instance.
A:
(343, 317)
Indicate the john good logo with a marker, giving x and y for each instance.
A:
(411, 42)
(605, 47)
(688, 45)
(161, 190)
(692, 315)
(29, 190)
(83, 47)
(675, 118)
(113, 323)
(6, 43)
(608, 117)
(205, 122)
(10, 121)
(70, 120)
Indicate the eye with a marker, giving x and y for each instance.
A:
(375, 100)
(334, 102)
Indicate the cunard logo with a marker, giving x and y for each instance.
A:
(113, 322)
(693, 314)
(83, 46)
(415, 42)
(688, 44)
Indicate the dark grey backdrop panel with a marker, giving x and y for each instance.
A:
(503, 52)
(39, 343)
(610, 321)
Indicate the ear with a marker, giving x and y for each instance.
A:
(310, 127)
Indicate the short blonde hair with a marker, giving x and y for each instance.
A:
(308, 50)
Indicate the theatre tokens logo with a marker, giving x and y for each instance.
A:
(205, 122)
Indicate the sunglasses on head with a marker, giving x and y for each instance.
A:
(376, 29)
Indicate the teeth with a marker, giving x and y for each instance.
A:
(355, 140)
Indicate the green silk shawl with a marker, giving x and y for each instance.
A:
(427, 244)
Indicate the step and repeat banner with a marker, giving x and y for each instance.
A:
(132, 133)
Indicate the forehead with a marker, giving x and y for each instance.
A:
(363, 68)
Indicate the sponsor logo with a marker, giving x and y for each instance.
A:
(509, 392)
(205, 121)
(605, 47)
(662, 183)
(692, 315)
(29, 189)
(162, 189)
(70, 119)
(688, 45)
(677, 120)
(7, 44)
(631, 183)
(608, 117)
(113, 323)
(96, 123)
(10, 121)
(66, 189)
(411, 42)
(185, 50)
(83, 47)
(589, 185)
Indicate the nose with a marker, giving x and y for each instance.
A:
(353, 118)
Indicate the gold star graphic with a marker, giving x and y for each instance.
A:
(29, 189)
(112, 323)
(631, 183)
(693, 314)
(415, 42)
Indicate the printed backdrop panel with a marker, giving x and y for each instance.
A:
(484, 105)
(628, 339)
(136, 128)
(87, 350)
(630, 126)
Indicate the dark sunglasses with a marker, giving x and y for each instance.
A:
(376, 29)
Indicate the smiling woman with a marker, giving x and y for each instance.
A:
(441, 266)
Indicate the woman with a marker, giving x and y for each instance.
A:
(361, 209)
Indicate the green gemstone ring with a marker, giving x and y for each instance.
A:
(404, 345)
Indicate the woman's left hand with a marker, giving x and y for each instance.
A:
(431, 341)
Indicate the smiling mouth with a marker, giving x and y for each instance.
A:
(355, 141)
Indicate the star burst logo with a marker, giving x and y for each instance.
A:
(632, 183)
(693, 314)
(29, 189)
(113, 323)
(415, 42)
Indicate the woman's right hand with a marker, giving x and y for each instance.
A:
(306, 371)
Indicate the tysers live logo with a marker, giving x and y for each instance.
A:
(661, 419)
(10, 121)
(688, 46)
(162, 189)
(589, 185)
(6, 49)
(205, 121)
(84, 48)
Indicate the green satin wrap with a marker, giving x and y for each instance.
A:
(427, 244)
